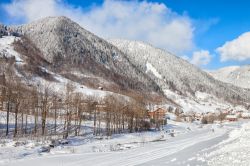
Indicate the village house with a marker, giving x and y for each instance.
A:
(228, 111)
(157, 114)
(245, 115)
(157, 118)
(231, 117)
(239, 111)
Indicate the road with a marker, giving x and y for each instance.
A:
(183, 149)
(193, 155)
(189, 156)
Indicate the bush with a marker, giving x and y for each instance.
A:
(208, 119)
(204, 120)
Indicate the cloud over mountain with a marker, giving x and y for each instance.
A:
(237, 49)
(201, 58)
(147, 21)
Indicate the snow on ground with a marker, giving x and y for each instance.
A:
(233, 151)
(122, 149)
(87, 125)
(150, 68)
(6, 48)
(202, 103)
(197, 154)
(192, 144)
(60, 85)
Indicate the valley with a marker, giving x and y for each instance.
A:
(69, 97)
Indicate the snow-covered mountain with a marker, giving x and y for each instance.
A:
(176, 74)
(81, 56)
(57, 50)
(236, 75)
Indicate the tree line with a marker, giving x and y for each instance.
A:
(28, 110)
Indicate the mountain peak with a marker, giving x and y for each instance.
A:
(54, 19)
(53, 36)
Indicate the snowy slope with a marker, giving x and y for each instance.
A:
(71, 48)
(236, 75)
(58, 86)
(6, 49)
(202, 103)
(175, 74)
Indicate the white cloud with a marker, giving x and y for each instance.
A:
(147, 21)
(237, 49)
(200, 58)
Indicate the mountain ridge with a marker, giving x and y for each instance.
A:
(236, 75)
(177, 74)
(119, 65)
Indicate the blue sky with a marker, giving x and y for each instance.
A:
(232, 20)
(193, 29)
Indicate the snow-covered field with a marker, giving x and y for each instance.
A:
(191, 144)
(233, 151)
